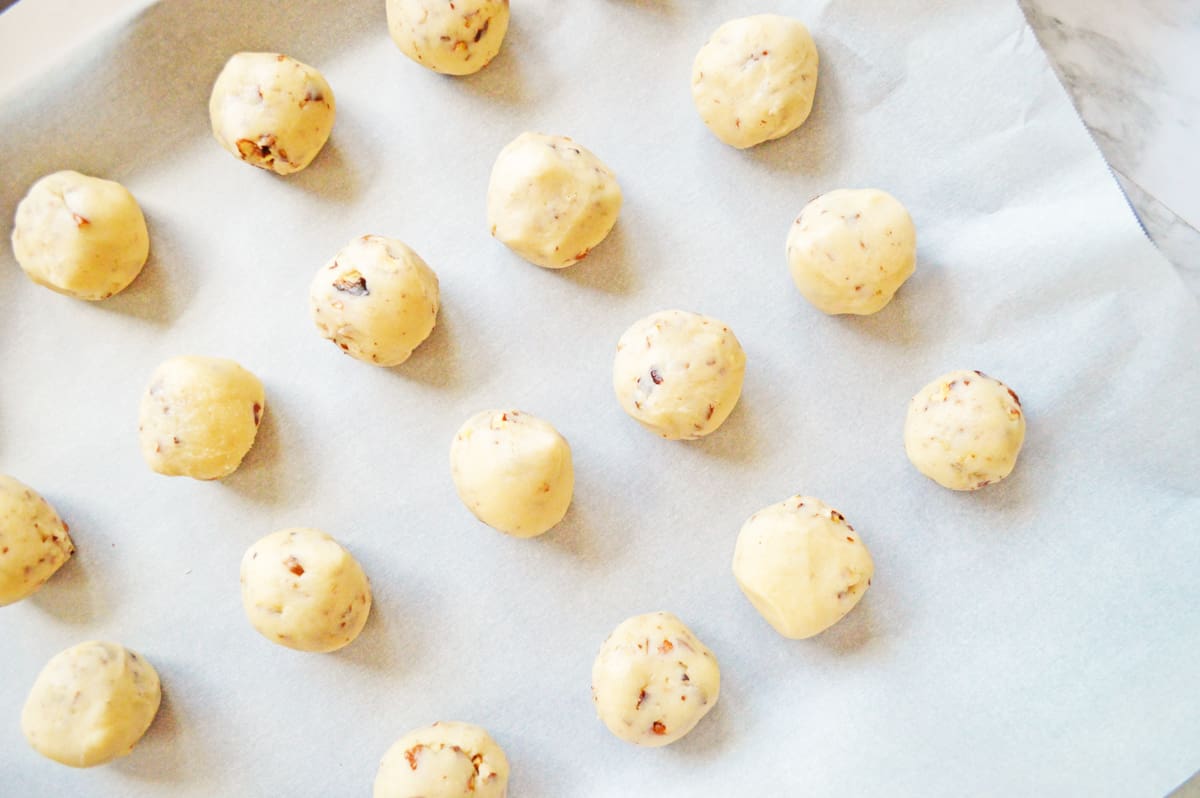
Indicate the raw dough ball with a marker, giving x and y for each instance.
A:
(271, 111)
(80, 236)
(550, 200)
(302, 590)
(91, 704)
(851, 250)
(34, 542)
(679, 374)
(964, 430)
(801, 565)
(653, 680)
(376, 299)
(513, 471)
(458, 38)
(445, 760)
(755, 78)
(199, 416)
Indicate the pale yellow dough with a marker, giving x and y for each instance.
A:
(513, 471)
(445, 760)
(199, 417)
(550, 200)
(454, 38)
(376, 299)
(755, 78)
(679, 374)
(964, 430)
(653, 680)
(850, 250)
(302, 590)
(91, 704)
(801, 565)
(271, 111)
(80, 236)
(34, 542)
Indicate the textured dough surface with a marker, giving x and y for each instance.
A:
(653, 680)
(550, 200)
(302, 590)
(850, 250)
(801, 565)
(81, 236)
(513, 471)
(445, 760)
(34, 542)
(454, 38)
(679, 374)
(755, 78)
(271, 111)
(376, 299)
(91, 704)
(199, 417)
(964, 430)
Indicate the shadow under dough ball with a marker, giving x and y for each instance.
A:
(271, 111)
(81, 236)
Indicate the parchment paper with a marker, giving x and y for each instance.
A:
(1037, 638)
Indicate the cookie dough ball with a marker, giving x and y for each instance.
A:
(851, 250)
(653, 680)
(458, 38)
(80, 236)
(964, 430)
(199, 416)
(91, 704)
(513, 471)
(801, 565)
(271, 111)
(376, 299)
(445, 760)
(302, 590)
(679, 374)
(755, 78)
(34, 542)
(550, 200)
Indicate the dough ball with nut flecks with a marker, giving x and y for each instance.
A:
(755, 78)
(199, 417)
(550, 200)
(91, 704)
(801, 565)
(850, 250)
(81, 236)
(302, 590)
(653, 680)
(513, 471)
(964, 430)
(271, 111)
(454, 38)
(377, 300)
(445, 760)
(34, 542)
(679, 374)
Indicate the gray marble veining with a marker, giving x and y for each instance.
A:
(1130, 66)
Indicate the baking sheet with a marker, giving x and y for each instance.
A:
(1038, 637)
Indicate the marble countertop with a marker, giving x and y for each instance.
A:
(1131, 66)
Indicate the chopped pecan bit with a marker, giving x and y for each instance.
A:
(1013, 394)
(79, 220)
(665, 647)
(849, 539)
(711, 408)
(581, 255)
(411, 756)
(257, 413)
(659, 728)
(479, 34)
(641, 698)
(294, 566)
(654, 375)
(836, 516)
(685, 678)
(352, 282)
(66, 526)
